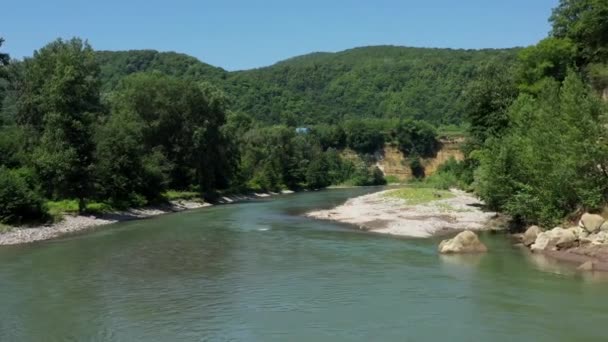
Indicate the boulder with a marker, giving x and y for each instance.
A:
(554, 239)
(530, 235)
(465, 242)
(591, 222)
(599, 238)
(604, 227)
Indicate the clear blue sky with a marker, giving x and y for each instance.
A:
(242, 34)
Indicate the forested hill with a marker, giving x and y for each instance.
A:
(115, 65)
(377, 81)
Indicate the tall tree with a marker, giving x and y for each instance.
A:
(58, 98)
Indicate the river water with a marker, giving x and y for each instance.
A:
(258, 271)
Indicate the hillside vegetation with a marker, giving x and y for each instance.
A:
(367, 82)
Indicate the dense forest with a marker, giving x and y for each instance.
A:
(100, 130)
(369, 82)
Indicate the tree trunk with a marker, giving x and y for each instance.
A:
(82, 205)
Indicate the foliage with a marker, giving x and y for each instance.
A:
(538, 172)
(451, 174)
(60, 91)
(551, 57)
(20, 198)
(172, 195)
(489, 96)
(376, 81)
(364, 136)
(584, 22)
(417, 138)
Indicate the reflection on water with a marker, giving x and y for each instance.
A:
(260, 272)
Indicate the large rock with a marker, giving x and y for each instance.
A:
(604, 227)
(556, 238)
(591, 222)
(530, 235)
(465, 242)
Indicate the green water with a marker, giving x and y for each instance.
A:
(258, 271)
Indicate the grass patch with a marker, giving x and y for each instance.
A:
(392, 179)
(444, 207)
(173, 195)
(418, 195)
(4, 228)
(58, 208)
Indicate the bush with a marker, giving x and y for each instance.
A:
(20, 199)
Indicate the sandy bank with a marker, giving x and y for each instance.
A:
(380, 213)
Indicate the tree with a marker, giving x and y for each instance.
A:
(58, 98)
(540, 172)
(550, 58)
(584, 22)
(416, 138)
(4, 57)
(489, 96)
(182, 119)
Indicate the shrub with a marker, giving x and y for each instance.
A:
(20, 199)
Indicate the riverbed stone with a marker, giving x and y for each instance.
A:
(554, 239)
(464, 242)
(604, 227)
(530, 235)
(586, 266)
(591, 222)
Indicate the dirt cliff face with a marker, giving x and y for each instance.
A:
(393, 162)
(449, 149)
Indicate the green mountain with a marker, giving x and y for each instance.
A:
(372, 82)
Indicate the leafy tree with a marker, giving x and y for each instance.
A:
(584, 22)
(417, 138)
(58, 95)
(551, 57)
(4, 58)
(364, 136)
(182, 119)
(489, 96)
(540, 172)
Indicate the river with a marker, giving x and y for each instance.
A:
(258, 271)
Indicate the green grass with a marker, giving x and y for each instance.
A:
(172, 195)
(450, 131)
(392, 180)
(58, 208)
(418, 195)
(4, 228)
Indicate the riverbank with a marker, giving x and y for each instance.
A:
(386, 213)
(76, 223)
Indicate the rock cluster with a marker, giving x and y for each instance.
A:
(591, 229)
(465, 242)
(590, 234)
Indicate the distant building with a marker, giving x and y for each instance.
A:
(302, 130)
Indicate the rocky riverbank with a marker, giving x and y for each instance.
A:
(585, 244)
(75, 223)
(382, 213)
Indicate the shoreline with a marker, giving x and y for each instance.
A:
(383, 214)
(79, 223)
